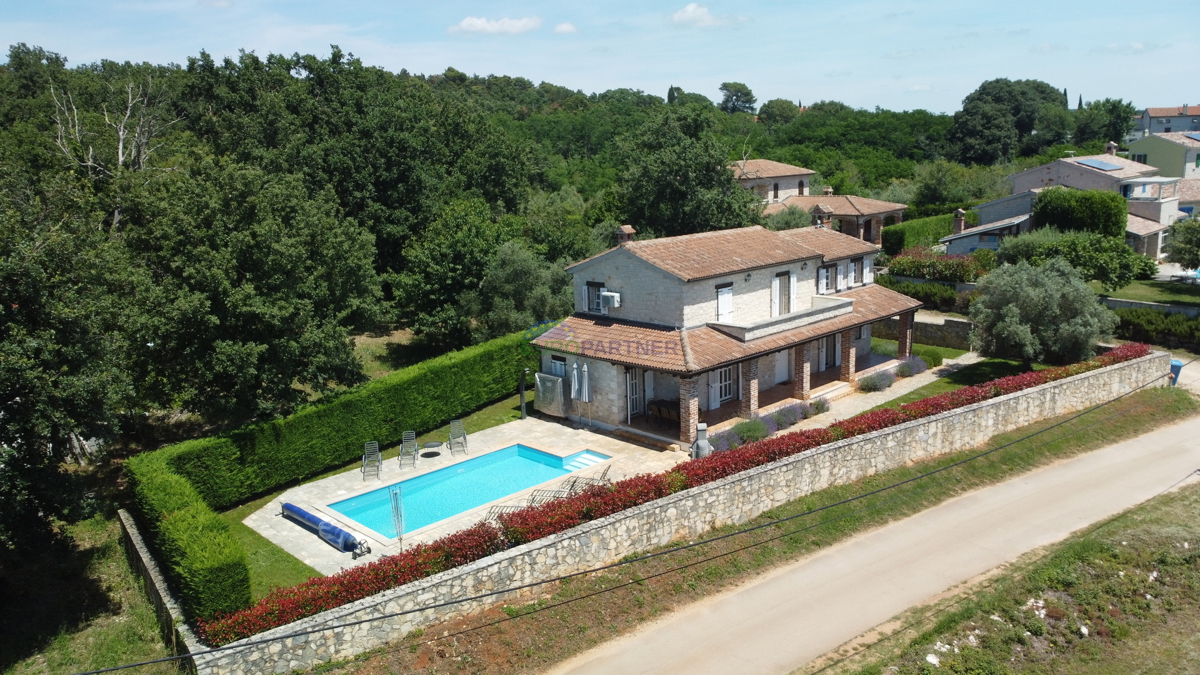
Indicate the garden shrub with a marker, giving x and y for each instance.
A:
(876, 382)
(789, 415)
(933, 295)
(725, 440)
(985, 258)
(1158, 327)
(913, 365)
(751, 430)
(283, 606)
(923, 263)
(932, 356)
(820, 406)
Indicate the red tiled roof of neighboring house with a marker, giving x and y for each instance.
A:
(1189, 190)
(1176, 111)
(1143, 226)
(701, 349)
(713, 254)
(839, 205)
(1129, 168)
(833, 245)
(766, 168)
(1183, 138)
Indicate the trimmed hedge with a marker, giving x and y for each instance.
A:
(1158, 327)
(921, 231)
(178, 488)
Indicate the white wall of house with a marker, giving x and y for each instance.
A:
(751, 299)
(1164, 211)
(789, 186)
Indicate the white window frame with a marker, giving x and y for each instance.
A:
(725, 296)
(726, 389)
(593, 302)
(825, 280)
(869, 270)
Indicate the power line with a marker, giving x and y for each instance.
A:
(649, 556)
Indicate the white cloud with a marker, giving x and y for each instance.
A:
(505, 26)
(1128, 48)
(1047, 48)
(566, 28)
(216, 3)
(696, 15)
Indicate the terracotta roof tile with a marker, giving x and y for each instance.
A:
(701, 349)
(839, 205)
(833, 245)
(1143, 226)
(1189, 190)
(713, 254)
(1176, 111)
(1183, 138)
(765, 168)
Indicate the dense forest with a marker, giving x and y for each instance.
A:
(207, 237)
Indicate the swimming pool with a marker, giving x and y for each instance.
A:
(460, 487)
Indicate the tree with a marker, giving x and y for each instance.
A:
(446, 261)
(1183, 243)
(1038, 314)
(983, 133)
(1096, 257)
(1098, 211)
(675, 179)
(737, 98)
(250, 286)
(778, 111)
(1108, 120)
(518, 290)
(789, 219)
(63, 282)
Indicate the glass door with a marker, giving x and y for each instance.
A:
(633, 383)
(725, 384)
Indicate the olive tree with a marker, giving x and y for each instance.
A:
(1046, 314)
(1183, 244)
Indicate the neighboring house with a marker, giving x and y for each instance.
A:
(859, 217)
(1153, 200)
(1165, 120)
(1175, 154)
(963, 240)
(772, 181)
(715, 321)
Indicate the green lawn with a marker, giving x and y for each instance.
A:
(976, 373)
(271, 566)
(1166, 292)
(889, 347)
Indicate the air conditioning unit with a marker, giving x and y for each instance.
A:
(610, 299)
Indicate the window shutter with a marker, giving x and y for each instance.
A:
(837, 349)
(600, 298)
(841, 276)
(725, 305)
(775, 296)
(869, 269)
(823, 280)
(794, 304)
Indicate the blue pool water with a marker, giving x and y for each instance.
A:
(446, 492)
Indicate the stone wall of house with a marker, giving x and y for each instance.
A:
(683, 515)
(648, 293)
(954, 333)
(751, 299)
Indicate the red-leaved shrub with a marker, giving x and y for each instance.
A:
(285, 605)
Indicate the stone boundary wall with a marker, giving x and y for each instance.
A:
(176, 634)
(1116, 303)
(683, 515)
(954, 333)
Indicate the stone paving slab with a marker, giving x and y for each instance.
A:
(556, 438)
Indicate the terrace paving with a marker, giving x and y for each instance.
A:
(556, 438)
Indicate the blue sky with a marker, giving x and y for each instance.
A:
(895, 55)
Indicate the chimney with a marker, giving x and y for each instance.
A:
(1110, 148)
(828, 190)
(625, 233)
(1185, 109)
(821, 215)
(960, 221)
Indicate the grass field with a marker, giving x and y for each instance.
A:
(1166, 292)
(547, 633)
(1129, 582)
(888, 348)
(975, 373)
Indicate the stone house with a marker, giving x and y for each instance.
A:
(1153, 200)
(1165, 120)
(1174, 154)
(714, 326)
(772, 181)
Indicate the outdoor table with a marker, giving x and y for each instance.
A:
(432, 449)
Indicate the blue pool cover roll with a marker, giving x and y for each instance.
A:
(341, 539)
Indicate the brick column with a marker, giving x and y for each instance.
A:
(689, 408)
(802, 370)
(878, 231)
(904, 335)
(748, 406)
(848, 353)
